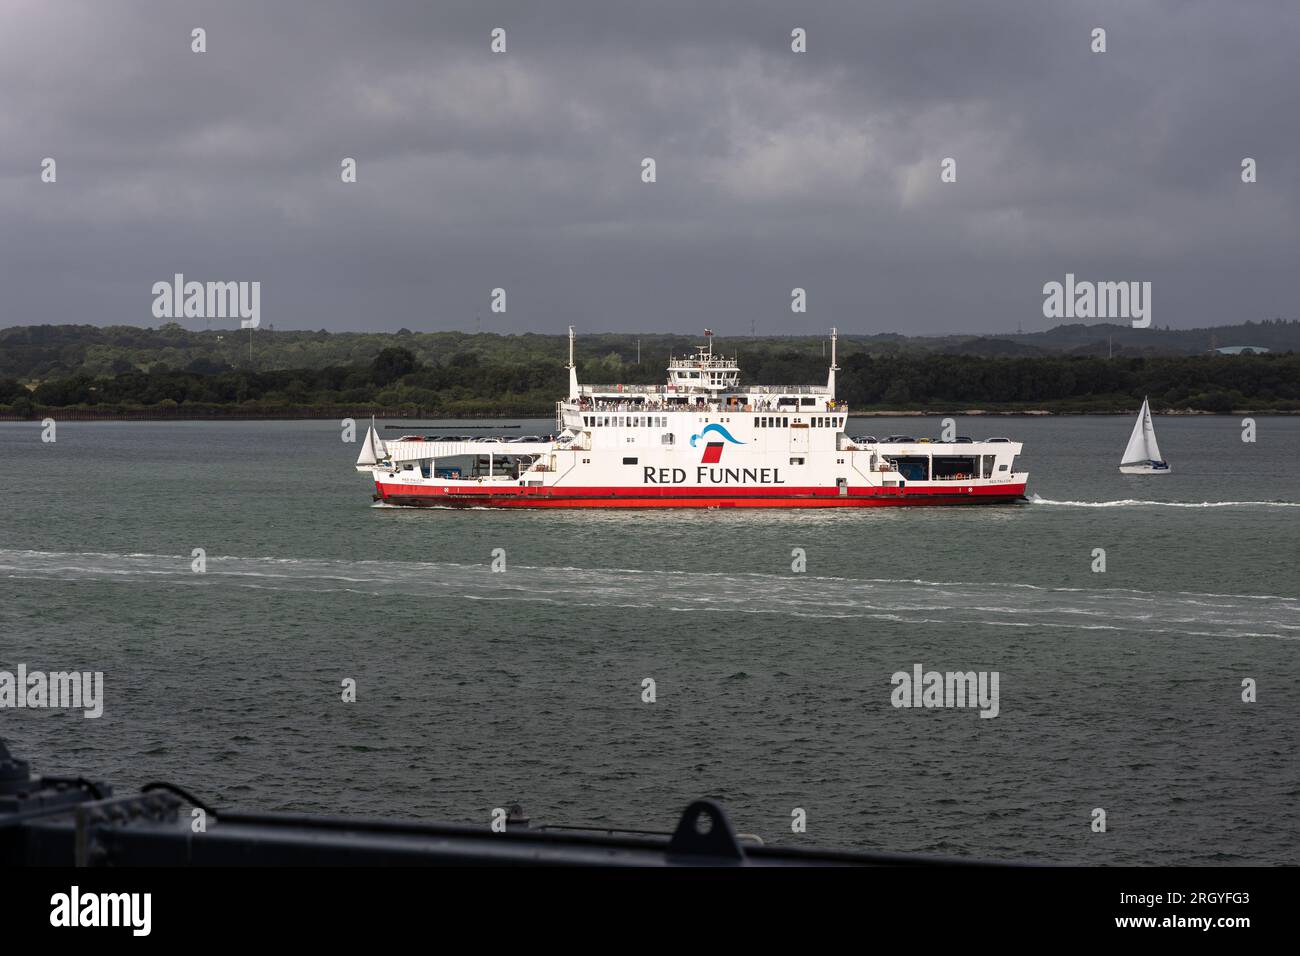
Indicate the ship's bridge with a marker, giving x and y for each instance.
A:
(699, 382)
(704, 371)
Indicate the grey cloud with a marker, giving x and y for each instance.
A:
(775, 170)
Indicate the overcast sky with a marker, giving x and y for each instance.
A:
(775, 169)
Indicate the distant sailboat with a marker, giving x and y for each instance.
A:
(1142, 456)
(373, 449)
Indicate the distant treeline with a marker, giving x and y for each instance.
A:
(1210, 383)
(44, 352)
(464, 385)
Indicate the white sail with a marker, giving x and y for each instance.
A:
(1137, 452)
(1149, 434)
(370, 454)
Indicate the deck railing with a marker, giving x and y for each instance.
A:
(708, 406)
(688, 390)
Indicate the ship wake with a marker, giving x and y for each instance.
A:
(1136, 502)
(910, 602)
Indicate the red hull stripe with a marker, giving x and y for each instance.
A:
(672, 497)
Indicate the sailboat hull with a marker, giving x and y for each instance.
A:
(1146, 469)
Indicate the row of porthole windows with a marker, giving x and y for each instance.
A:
(781, 421)
(625, 421)
(641, 421)
(660, 421)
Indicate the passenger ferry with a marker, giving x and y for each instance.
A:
(702, 440)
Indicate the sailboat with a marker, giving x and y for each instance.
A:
(373, 449)
(1142, 456)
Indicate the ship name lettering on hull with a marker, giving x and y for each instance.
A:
(714, 476)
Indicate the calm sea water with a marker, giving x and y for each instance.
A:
(1119, 690)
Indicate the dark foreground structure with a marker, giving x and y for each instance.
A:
(71, 821)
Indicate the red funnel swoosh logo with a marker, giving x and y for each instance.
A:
(713, 450)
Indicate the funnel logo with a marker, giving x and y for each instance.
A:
(713, 449)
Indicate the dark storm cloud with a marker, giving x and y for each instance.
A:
(522, 170)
